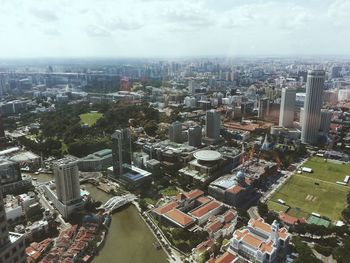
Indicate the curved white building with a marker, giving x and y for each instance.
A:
(312, 107)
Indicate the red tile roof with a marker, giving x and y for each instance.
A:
(227, 257)
(194, 194)
(203, 199)
(166, 208)
(252, 240)
(291, 220)
(236, 189)
(214, 226)
(204, 246)
(201, 211)
(179, 217)
(229, 216)
(260, 224)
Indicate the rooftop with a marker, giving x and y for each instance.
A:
(166, 208)
(179, 217)
(207, 155)
(227, 257)
(201, 211)
(194, 194)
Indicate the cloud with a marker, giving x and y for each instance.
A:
(187, 15)
(339, 13)
(44, 14)
(266, 15)
(96, 31)
(124, 24)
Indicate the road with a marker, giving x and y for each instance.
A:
(253, 212)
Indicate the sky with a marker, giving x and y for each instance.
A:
(173, 28)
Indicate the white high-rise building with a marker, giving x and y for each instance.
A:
(213, 125)
(287, 107)
(312, 107)
(67, 180)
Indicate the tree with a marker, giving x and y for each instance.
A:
(143, 205)
(263, 209)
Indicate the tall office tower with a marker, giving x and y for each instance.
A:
(12, 247)
(287, 107)
(9, 172)
(326, 117)
(213, 125)
(121, 151)
(301, 116)
(263, 107)
(195, 136)
(336, 72)
(67, 180)
(312, 107)
(2, 131)
(175, 132)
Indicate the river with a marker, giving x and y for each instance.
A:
(129, 240)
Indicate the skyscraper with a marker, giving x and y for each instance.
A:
(326, 117)
(195, 136)
(263, 107)
(175, 132)
(287, 107)
(121, 151)
(67, 180)
(12, 247)
(312, 106)
(2, 131)
(213, 125)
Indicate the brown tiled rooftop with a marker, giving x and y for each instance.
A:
(229, 216)
(179, 217)
(268, 247)
(201, 211)
(252, 240)
(194, 194)
(227, 257)
(260, 224)
(203, 199)
(214, 226)
(291, 220)
(166, 208)
(236, 189)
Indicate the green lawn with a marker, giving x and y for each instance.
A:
(277, 207)
(326, 171)
(169, 191)
(90, 118)
(303, 195)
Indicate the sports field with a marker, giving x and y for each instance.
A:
(316, 192)
(90, 118)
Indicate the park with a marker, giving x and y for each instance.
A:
(315, 192)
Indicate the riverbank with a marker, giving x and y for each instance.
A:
(129, 238)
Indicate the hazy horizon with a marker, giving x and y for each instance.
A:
(173, 28)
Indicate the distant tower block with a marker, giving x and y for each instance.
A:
(287, 108)
(213, 125)
(312, 106)
(326, 117)
(125, 84)
(195, 136)
(121, 150)
(175, 132)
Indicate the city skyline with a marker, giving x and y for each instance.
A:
(153, 28)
